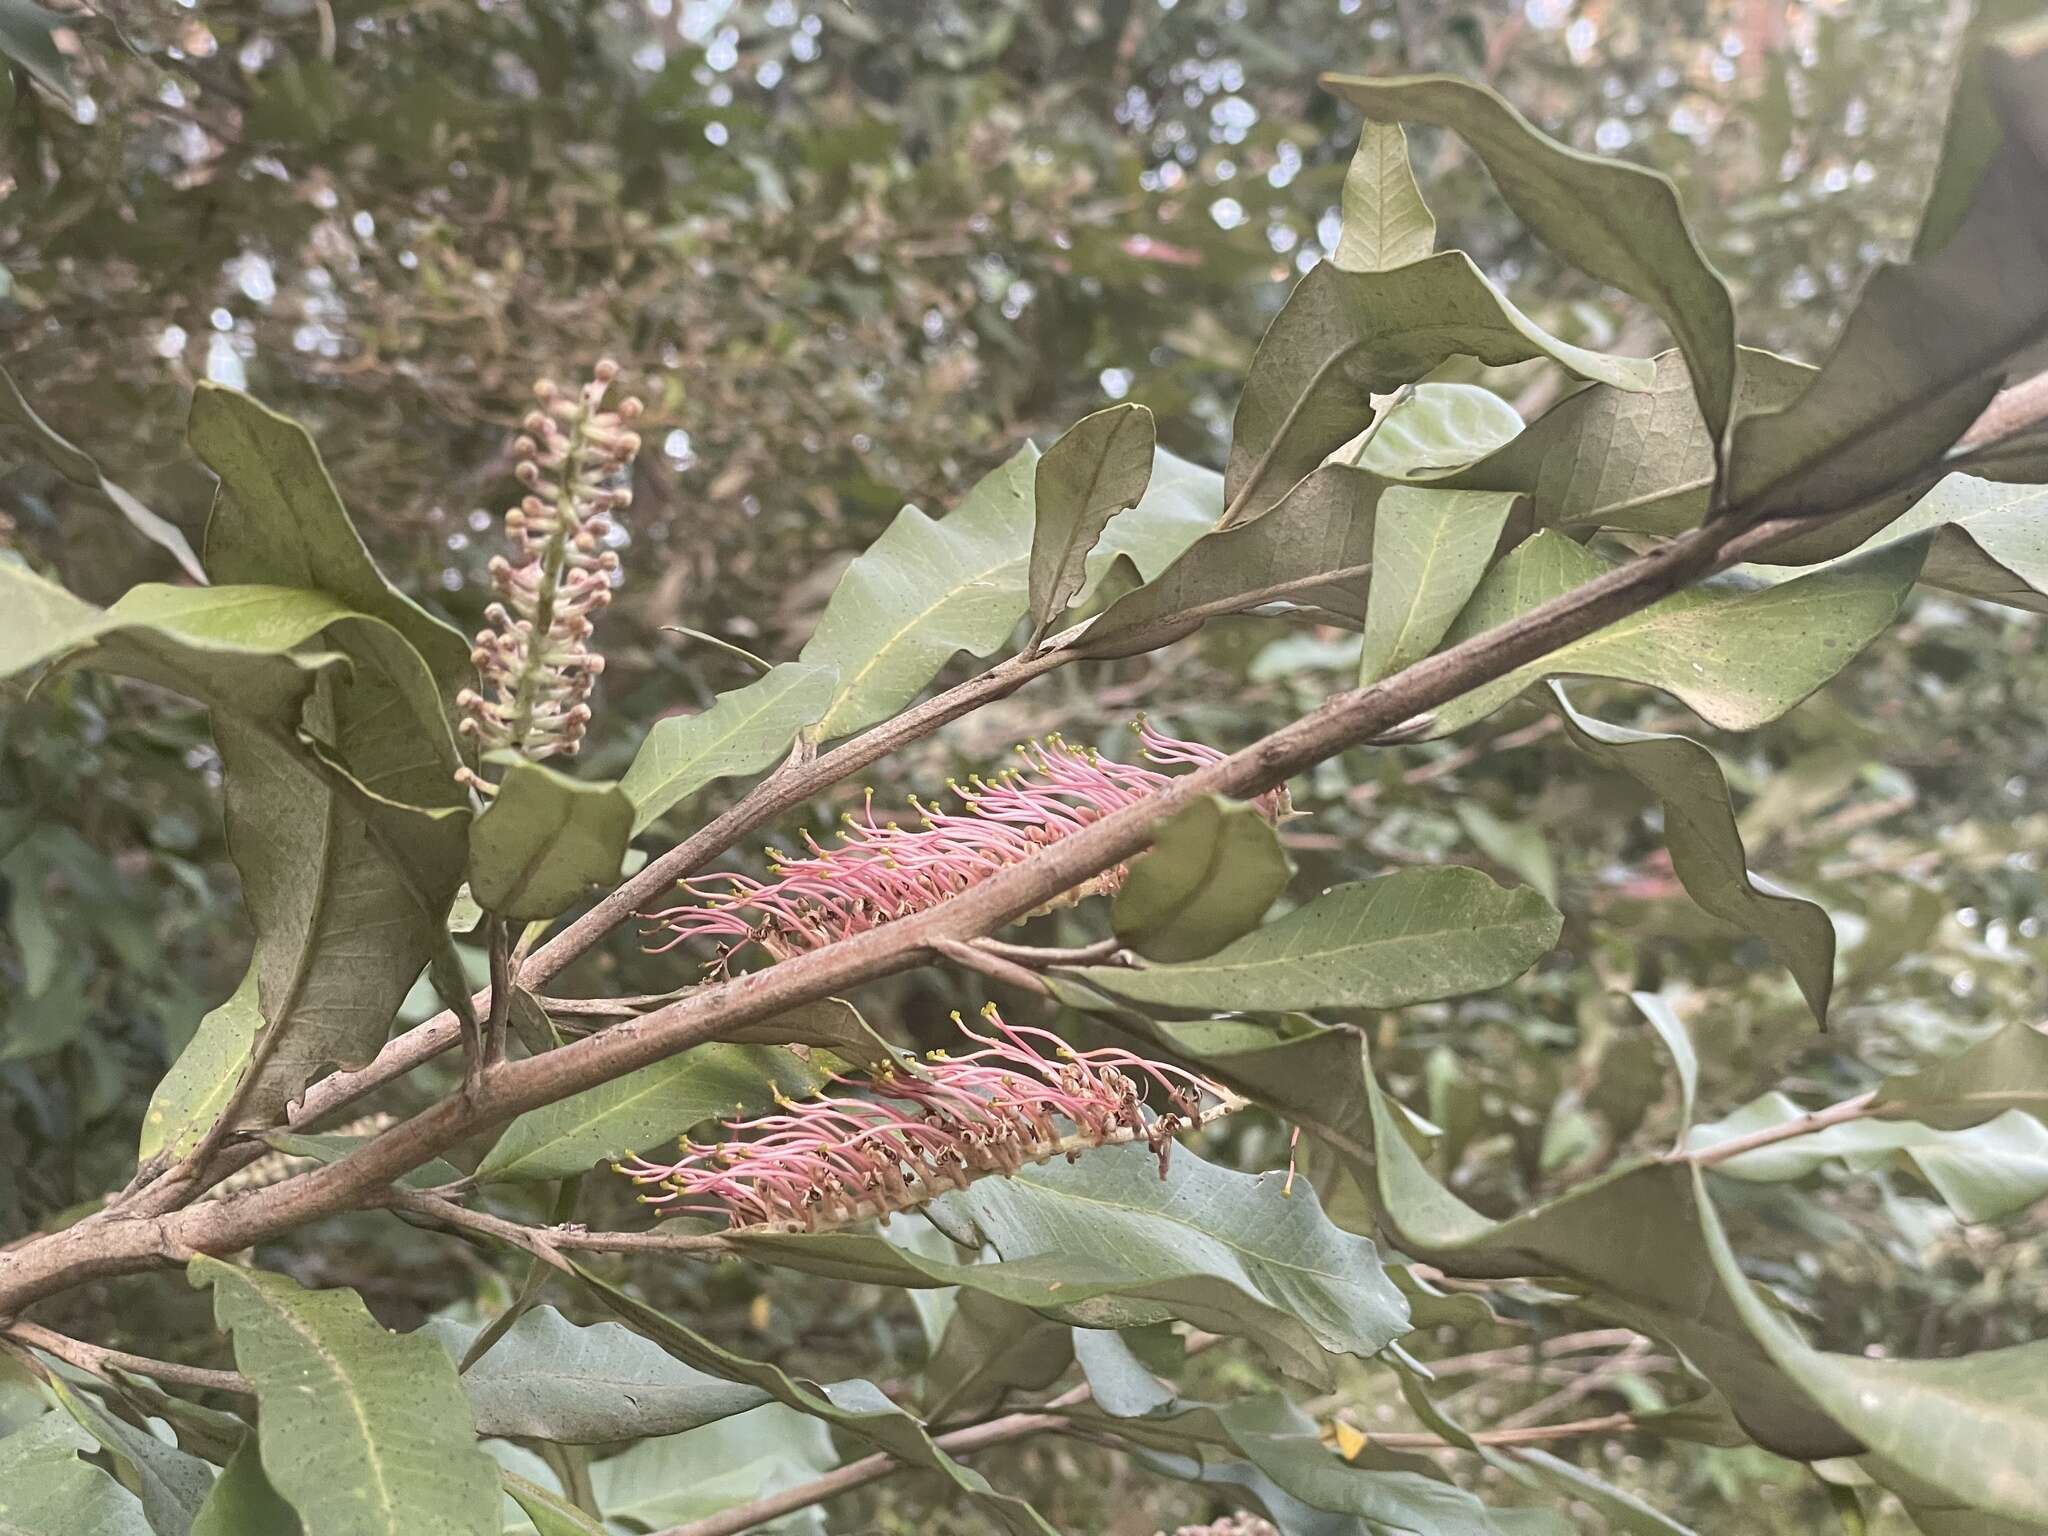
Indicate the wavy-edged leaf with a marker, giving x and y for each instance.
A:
(1429, 550)
(1211, 873)
(196, 1089)
(1930, 341)
(546, 841)
(65, 456)
(1403, 938)
(1100, 467)
(1105, 1242)
(857, 1407)
(1618, 223)
(647, 1107)
(242, 1502)
(1641, 460)
(171, 1484)
(1985, 1172)
(365, 1432)
(1975, 1427)
(744, 731)
(1385, 221)
(278, 519)
(1706, 847)
(1344, 337)
(1738, 656)
(47, 1489)
(1313, 550)
(687, 1477)
(1436, 429)
(551, 1379)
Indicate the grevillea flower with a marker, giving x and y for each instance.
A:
(534, 651)
(918, 1132)
(880, 871)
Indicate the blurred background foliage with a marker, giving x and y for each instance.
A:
(850, 254)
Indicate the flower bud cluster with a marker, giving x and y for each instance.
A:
(534, 654)
(1024, 1097)
(880, 872)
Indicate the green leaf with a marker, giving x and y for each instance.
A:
(364, 1432)
(551, 1514)
(1344, 337)
(1624, 1513)
(1385, 221)
(744, 731)
(1429, 550)
(1641, 460)
(1929, 342)
(551, 1379)
(196, 1089)
(1105, 1242)
(546, 841)
(69, 460)
(922, 593)
(1313, 550)
(1211, 873)
(26, 38)
(1403, 938)
(1738, 656)
(1439, 428)
(47, 1490)
(1677, 1040)
(1986, 1172)
(645, 1108)
(2005, 1071)
(171, 1484)
(1099, 468)
(857, 1407)
(680, 1478)
(1182, 501)
(990, 1349)
(1706, 848)
(1975, 1427)
(1122, 1384)
(1618, 223)
(333, 1146)
(243, 1503)
(278, 519)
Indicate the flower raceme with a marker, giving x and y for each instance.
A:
(880, 872)
(534, 651)
(922, 1130)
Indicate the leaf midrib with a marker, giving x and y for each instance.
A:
(350, 1394)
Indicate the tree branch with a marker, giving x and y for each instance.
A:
(95, 1359)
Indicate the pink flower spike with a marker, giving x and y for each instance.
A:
(834, 1160)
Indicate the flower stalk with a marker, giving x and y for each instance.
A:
(1024, 1097)
(534, 656)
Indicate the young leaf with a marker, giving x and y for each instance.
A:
(242, 1502)
(1385, 221)
(1975, 1427)
(551, 1379)
(545, 841)
(1403, 938)
(200, 1082)
(278, 519)
(1344, 337)
(1098, 469)
(1706, 847)
(73, 462)
(1929, 342)
(365, 1433)
(1105, 1242)
(47, 1489)
(645, 1108)
(1438, 428)
(923, 592)
(1323, 526)
(1617, 223)
(1208, 878)
(1739, 657)
(857, 1407)
(1429, 550)
(744, 731)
